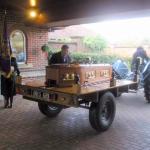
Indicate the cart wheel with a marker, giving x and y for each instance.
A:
(147, 89)
(49, 110)
(118, 95)
(101, 114)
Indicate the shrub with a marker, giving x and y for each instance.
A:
(101, 58)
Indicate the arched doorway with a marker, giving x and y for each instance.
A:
(18, 44)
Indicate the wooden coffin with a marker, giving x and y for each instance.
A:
(64, 75)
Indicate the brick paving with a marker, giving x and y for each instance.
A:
(24, 128)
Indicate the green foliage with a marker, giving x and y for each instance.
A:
(45, 48)
(95, 43)
(101, 58)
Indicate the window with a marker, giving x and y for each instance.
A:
(18, 44)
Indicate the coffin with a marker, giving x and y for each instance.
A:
(66, 75)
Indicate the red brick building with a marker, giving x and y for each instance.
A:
(33, 38)
(75, 33)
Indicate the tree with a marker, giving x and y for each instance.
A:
(95, 43)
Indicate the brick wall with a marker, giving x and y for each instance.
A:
(76, 44)
(35, 38)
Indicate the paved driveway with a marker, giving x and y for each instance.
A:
(24, 128)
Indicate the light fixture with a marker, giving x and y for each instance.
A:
(33, 13)
(32, 3)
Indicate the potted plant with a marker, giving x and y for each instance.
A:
(47, 50)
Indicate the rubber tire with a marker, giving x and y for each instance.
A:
(49, 110)
(147, 89)
(119, 95)
(96, 119)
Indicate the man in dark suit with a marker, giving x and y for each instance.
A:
(61, 57)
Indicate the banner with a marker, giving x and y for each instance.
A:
(5, 55)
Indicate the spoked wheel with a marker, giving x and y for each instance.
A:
(147, 89)
(101, 114)
(49, 110)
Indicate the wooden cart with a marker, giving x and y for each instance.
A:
(98, 98)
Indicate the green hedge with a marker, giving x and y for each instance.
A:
(97, 58)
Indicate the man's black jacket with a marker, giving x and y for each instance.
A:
(58, 59)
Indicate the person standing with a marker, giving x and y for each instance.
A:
(8, 67)
(61, 57)
(141, 54)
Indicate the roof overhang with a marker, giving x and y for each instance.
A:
(71, 12)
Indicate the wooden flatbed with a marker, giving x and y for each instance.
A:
(98, 98)
(69, 96)
(74, 90)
